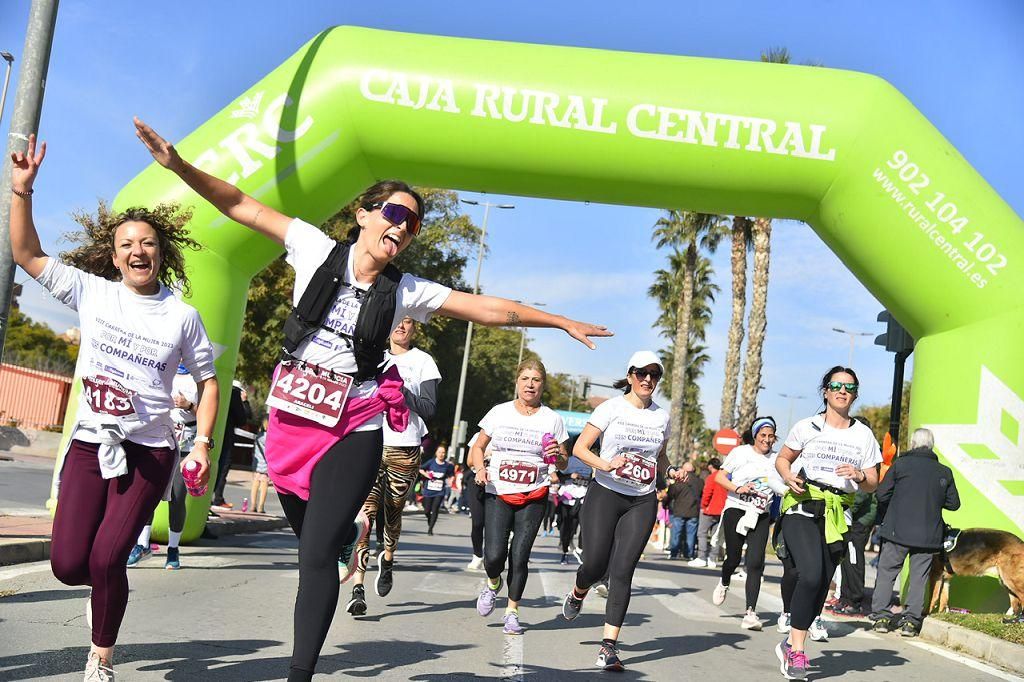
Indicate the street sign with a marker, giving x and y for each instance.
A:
(725, 440)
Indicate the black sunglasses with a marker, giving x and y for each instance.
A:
(642, 373)
(396, 214)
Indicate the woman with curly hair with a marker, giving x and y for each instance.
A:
(135, 332)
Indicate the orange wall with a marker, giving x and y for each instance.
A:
(34, 399)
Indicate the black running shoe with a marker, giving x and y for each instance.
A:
(385, 580)
(357, 604)
(571, 605)
(608, 659)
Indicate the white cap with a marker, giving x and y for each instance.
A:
(642, 358)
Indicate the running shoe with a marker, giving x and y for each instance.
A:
(847, 609)
(608, 659)
(793, 664)
(718, 596)
(173, 562)
(783, 623)
(357, 604)
(602, 589)
(571, 605)
(385, 579)
(818, 631)
(751, 621)
(563, 561)
(512, 626)
(485, 602)
(476, 563)
(740, 575)
(711, 563)
(138, 554)
(909, 628)
(881, 623)
(347, 556)
(98, 669)
(831, 602)
(578, 553)
(697, 563)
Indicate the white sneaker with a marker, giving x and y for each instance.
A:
(602, 590)
(740, 575)
(88, 610)
(711, 563)
(697, 563)
(818, 631)
(97, 669)
(783, 624)
(751, 621)
(578, 553)
(476, 563)
(718, 596)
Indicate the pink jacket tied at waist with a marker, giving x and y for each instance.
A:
(295, 445)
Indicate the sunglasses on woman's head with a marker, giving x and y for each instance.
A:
(836, 385)
(641, 374)
(396, 214)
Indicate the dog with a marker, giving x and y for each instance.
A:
(977, 552)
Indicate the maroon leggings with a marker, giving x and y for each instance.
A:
(97, 523)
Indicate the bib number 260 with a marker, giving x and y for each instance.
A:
(301, 391)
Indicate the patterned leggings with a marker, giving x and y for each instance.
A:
(398, 471)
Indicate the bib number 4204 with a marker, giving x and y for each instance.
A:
(301, 391)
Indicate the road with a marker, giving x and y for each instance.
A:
(227, 616)
(24, 484)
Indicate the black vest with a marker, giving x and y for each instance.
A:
(373, 325)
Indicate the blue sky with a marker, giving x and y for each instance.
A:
(959, 63)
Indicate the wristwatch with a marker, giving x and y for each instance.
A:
(205, 440)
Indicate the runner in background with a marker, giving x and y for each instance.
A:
(621, 503)
(474, 494)
(260, 478)
(575, 482)
(528, 441)
(435, 473)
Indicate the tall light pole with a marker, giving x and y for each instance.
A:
(522, 343)
(469, 328)
(789, 424)
(849, 362)
(9, 58)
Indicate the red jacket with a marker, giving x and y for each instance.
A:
(712, 501)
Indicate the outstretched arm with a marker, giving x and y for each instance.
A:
(25, 246)
(226, 198)
(492, 311)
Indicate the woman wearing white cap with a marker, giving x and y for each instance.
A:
(621, 507)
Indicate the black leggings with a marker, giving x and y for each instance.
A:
(475, 500)
(814, 562)
(757, 540)
(339, 485)
(568, 523)
(431, 508)
(502, 519)
(615, 528)
(550, 509)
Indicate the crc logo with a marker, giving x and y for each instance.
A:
(253, 142)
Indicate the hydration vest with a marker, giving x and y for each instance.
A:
(373, 324)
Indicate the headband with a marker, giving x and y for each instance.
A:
(760, 424)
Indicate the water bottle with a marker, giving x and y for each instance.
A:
(190, 473)
(546, 440)
(245, 504)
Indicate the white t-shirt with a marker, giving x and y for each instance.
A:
(131, 345)
(824, 448)
(415, 367)
(307, 248)
(517, 457)
(635, 433)
(746, 465)
(186, 386)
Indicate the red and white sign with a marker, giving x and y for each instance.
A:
(304, 392)
(725, 440)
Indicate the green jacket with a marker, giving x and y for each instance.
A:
(864, 509)
(835, 519)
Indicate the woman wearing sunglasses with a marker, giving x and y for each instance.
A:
(622, 502)
(324, 471)
(838, 455)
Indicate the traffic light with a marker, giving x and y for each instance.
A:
(586, 388)
(896, 339)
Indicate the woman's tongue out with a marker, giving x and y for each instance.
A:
(390, 245)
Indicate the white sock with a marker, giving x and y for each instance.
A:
(173, 539)
(144, 536)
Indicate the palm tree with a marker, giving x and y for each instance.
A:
(762, 234)
(741, 243)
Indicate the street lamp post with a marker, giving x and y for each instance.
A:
(469, 328)
(789, 424)
(9, 58)
(849, 362)
(522, 343)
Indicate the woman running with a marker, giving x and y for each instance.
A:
(135, 332)
(436, 473)
(838, 455)
(474, 493)
(348, 299)
(571, 494)
(528, 443)
(400, 463)
(747, 475)
(621, 503)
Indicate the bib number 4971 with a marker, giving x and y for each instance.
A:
(301, 391)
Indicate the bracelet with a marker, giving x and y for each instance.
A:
(24, 195)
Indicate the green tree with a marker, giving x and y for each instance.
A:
(742, 240)
(34, 345)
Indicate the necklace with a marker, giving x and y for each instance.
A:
(530, 411)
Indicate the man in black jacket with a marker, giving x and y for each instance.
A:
(915, 491)
(684, 507)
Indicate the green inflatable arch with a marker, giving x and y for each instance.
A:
(843, 151)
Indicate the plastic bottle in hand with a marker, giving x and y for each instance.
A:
(190, 472)
(245, 504)
(546, 440)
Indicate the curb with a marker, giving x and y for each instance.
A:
(236, 525)
(24, 551)
(977, 644)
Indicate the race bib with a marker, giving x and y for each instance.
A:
(302, 391)
(638, 470)
(435, 484)
(519, 473)
(107, 396)
(760, 499)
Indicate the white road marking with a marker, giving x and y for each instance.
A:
(965, 660)
(689, 605)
